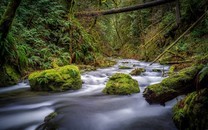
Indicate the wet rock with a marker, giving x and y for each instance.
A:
(49, 123)
(157, 70)
(121, 84)
(58, 79)
(177, 84)
(137, 71)
(191, 113)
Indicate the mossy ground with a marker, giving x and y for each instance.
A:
(191, 113)
(121, 84)
(179, 83)
(9, 76)
(58, 79)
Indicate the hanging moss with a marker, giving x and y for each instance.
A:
(180, 83)
(191, 113)
(58, 79)
(121, 84)
(9, 76)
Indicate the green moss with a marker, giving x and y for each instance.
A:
(58, 79)
(183, 79)
(137, 71)
(171, 70)
(191, 113)
(9, 76)
(121, 84)
(157, 93)
(125, 67)
(179, 83)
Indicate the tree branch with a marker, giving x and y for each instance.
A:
(124, 9)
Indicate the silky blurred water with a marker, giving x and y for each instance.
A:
(89, 109)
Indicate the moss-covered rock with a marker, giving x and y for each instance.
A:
(191, 113)
(177, 84)
(9, 76)
(121, 84)
(58, 79)
(137, 71)
(125, 67)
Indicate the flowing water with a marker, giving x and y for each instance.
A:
(88, 108)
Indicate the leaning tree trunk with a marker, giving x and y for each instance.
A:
(5, 25)
(7, 18)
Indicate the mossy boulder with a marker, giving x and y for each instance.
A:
(137, 71)
(177, 84)
(121, 84)
(58, 79)
(191, 113)
(9, 76)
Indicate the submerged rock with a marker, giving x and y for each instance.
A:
(191, 113)
(121, 84)
(9, 76)
(137, 71)
(58, 79)
(49, 122)
(177, 84)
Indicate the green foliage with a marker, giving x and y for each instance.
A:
(43, 31)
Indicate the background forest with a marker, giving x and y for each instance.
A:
(47, 32)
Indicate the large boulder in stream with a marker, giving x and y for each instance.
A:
(191, 112)
(58, 79)
(121, 84)
(180, 83)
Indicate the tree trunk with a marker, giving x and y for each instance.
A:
(7, 18)
(124, 9)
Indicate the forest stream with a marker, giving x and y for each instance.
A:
(88, 108)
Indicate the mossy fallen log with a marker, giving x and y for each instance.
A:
(177, 84)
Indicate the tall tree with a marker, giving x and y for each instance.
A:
(7, 18)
